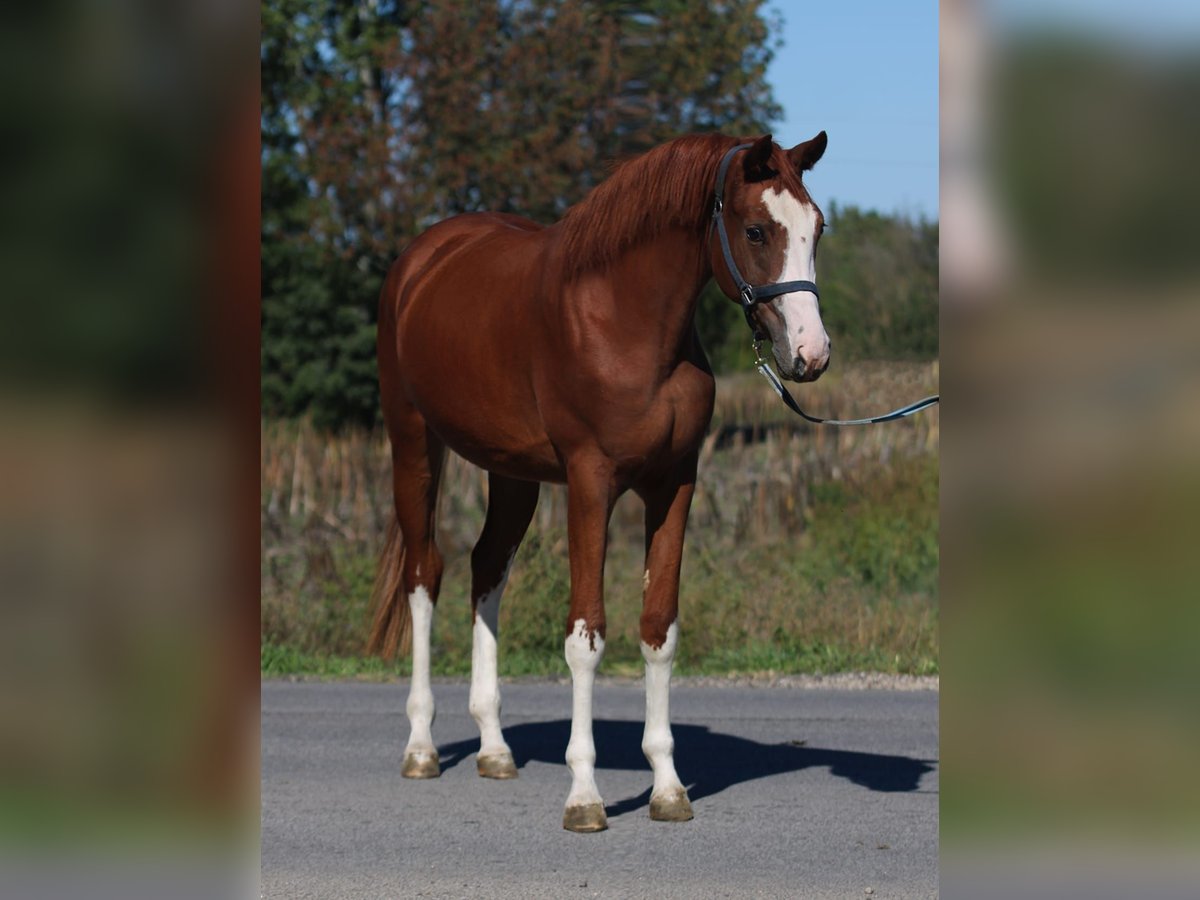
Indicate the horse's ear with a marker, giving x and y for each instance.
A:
(804, 156)
(757, 158)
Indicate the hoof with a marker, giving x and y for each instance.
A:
(585, 818)
(420, 765)
(498, 765)
(672, 807)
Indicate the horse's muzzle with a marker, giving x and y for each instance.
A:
(802, 369)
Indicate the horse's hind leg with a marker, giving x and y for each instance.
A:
(417, 456)
(510, 508)
(667, 506)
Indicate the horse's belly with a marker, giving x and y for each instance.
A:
(486, 419)
(496, 441)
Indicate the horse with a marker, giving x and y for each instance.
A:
(568, 353)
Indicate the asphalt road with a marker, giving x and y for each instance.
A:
(797, 792)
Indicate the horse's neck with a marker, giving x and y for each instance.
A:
(656, 285)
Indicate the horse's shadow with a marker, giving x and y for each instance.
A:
(707, 761)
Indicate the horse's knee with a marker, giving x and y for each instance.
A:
(658, 633)
(584, 648)
(483, 702)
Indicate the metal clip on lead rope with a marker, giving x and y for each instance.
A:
(764, 369)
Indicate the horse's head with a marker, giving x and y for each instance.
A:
(774, 227)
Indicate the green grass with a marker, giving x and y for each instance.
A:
(852, 587)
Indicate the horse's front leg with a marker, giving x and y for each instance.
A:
(590, 495)
(667, 505)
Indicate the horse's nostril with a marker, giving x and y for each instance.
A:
(800, 364)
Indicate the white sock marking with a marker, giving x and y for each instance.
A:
(420, 695)
(583, 653)
(485, 681)
(801, 313)
(657, 742)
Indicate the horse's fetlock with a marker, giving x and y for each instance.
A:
(580, 756)
(482, 704)
(653, 747)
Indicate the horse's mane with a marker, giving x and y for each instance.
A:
(668, 186)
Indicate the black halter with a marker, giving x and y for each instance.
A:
(751, 296)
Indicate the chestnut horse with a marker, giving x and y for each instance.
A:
(568, 353)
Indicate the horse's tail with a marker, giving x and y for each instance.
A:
(392, 625)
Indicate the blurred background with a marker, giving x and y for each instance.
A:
(128, 449)
(1069, 278)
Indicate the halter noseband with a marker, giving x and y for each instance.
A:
(749, 294)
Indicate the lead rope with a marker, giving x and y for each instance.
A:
(765, 370)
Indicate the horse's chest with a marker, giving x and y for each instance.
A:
(668, 429)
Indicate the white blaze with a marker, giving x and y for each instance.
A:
(801, 315)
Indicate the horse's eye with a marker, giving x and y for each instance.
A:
(754, 234)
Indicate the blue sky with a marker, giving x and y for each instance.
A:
(865, 71)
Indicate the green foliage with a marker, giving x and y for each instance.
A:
(1073, 186)
(279, 660)
(879, 285)
(536, 629)
(318, 340)
(885, 529)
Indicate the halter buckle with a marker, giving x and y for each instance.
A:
(746, 292)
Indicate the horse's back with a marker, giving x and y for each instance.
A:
(436, 248)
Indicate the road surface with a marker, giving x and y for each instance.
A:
(797, 792)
